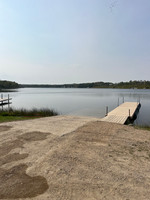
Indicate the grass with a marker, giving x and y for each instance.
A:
(13, 114)
(13, 118)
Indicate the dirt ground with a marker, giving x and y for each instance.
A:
(73, 158)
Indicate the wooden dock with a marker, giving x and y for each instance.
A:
(5, 101)
(124, 113)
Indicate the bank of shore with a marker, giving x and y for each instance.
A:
(70, 157)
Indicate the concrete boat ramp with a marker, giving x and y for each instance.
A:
(123, 114)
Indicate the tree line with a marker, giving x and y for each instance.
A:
(122, 85)
(8, 85)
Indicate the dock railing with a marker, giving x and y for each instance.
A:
(5, 101)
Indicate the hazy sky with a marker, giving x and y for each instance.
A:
(71, 41)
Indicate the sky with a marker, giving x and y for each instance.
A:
(74, 41)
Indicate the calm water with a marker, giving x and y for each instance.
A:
(84, 102)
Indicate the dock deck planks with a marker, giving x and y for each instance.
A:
(5, 99)
(121, 113)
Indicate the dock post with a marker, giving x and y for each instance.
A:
(123, 99)
(106, 110)
(2, 101)
(8, 102)
(118, 101)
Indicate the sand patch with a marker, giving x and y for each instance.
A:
(12, 157)
(15, 183)
(6, 147)
(5, 128)
(96, 161)
(33, 136)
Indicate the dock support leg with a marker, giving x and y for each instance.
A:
(118, 101)
(106, 110)
(129, 112)
(2, 101)
(8, 102)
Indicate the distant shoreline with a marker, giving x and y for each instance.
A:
(121, 85)
(109, 85)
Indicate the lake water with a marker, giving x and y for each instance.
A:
(83, 102)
